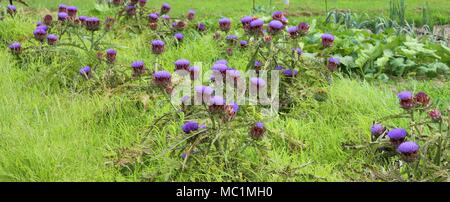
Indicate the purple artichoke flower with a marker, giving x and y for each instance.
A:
(258, 83)
(153, 17)
(165, 8)
(130, 9)
(162, 78)
(277, 15)
(40, 34)
(290, 73)
(72, 11)
(376, 130)
(44, 27)
(409, 151)
(293, 32)
(92, 24)
(275, 26)
(191, 15)
(397, 136)
(225, 24)
(327, 40)
(256, 25)
(157, 47)
(182, 64)
(232, 39)
(303, 28)
(257, 130)
(243, 43)
(52, 39)
(142, 3)
(201, 27)
(62, 8)
(48, 19)
(435, 115)
(62, 16)
(279, 67)
(15, 48)
(333, 64)
(406, 99)
(138, 68)
(190, 126)
(194, 72)
(216, 104)
(422, 99)
(111, 55)
(179, 37)
(11, 9)
(203, 93)
(86, 72)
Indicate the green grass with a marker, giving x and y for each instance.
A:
(51, 133)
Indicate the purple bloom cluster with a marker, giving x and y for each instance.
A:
(225, 24)
(257, 130)
(327, 40)
(11, 9)
(111, 55)
(333, 64)
(92, 24)
(182, 64)
(52, 39)
(15, 48)
(190, 126)
(397, 136)
(138, 68)
(162, 78)
(157, 47)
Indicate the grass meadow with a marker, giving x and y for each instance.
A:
(51, 132)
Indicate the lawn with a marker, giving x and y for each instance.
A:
(56, 126)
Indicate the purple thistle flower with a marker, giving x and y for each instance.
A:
(48, 19)
(258, 82)
(232, 39)
(15, 48)
(194, 72)
(86, 72)
(376, 130)
(277, 15)
(279, 67)
(256, 25)
(142, 3)
(40, 34)
(190, 126)
(191, 15)
(72, 11)
(83, 19)
(333, 63)
(225, 24)
(165, 17)
(62, 16)
(422, 99)
(258, 65)
(62, 8)
(257, 131)
(179, 37)
(44, 27)
(153, 17)
(162, 78)
(11, 9)
(327, 40)
(138, 68)
(52, 39)
(216, 104)
(275, 26)
(243, 43)
(297, 51)
(290, 73)
(406, 99)
(246, 20)
(303, 28)
(435, 115)
(203, 93)
(201, 27)
(165, 8)
(111, 55)
(157, 47)
(182, 64)
(130, 9)
(397, 136)
(409, 151)
(220, 68)
(293, 32)
(221, 61)
(92, 24)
